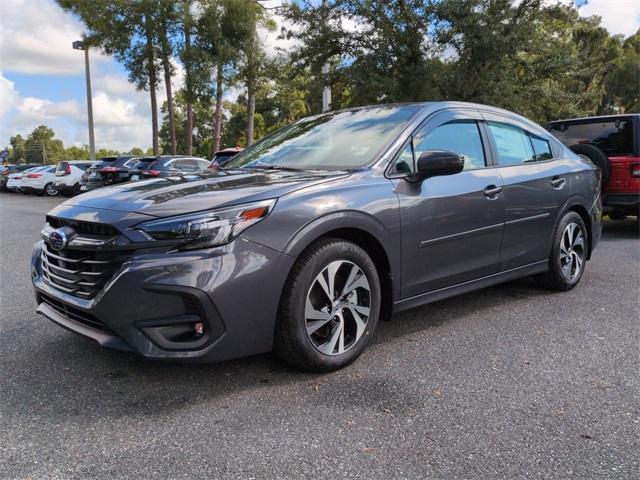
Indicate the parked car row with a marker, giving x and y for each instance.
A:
(71, 177)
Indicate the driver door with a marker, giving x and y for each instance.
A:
(451, 225)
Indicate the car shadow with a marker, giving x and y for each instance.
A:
(621, 229)
(68, 376)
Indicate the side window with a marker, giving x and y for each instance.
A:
(185, 165)
(462, 137)
(202, 165)
(541, 148)
(512, 143)
(404, 162)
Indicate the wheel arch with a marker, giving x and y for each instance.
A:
(576, 204)
(364, 231)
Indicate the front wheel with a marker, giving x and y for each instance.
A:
(329, 308)
(568, 254)
(50, 190)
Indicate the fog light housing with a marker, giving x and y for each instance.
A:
(198, 327)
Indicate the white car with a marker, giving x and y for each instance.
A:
(40, 181)
(68, 175)
(15, 180)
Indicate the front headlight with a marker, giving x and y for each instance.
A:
(210, 228)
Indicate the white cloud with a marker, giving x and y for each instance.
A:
(9, 97)
(618, 16)
(121, 117)
(36, 37)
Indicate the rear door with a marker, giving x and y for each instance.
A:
(451, 225)
(536, 186)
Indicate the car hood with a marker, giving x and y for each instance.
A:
(176, 195)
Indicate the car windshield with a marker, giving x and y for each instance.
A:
(333, 141)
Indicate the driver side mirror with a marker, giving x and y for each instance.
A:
(433, 163)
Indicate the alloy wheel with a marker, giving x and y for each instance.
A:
(337, 307)
(50, 190)
(572, 251)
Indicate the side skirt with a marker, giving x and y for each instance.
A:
(469, 286)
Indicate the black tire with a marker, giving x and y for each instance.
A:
(292, 342)
(49, 191)
(597, 156)
(559, 277)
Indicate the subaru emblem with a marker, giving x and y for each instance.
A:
(57, 239)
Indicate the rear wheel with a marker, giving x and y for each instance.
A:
(330, 307)
(568, 254)
(50, 190)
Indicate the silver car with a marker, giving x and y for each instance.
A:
(307, 239)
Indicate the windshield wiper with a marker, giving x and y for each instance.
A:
(274, 167)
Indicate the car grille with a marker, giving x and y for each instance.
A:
(74, 314)
(80, 272)
(83, 228)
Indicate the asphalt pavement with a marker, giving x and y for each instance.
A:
(507, 382)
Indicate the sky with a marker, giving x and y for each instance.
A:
(42, 78)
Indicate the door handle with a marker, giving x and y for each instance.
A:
(492, 192)
(558, 182)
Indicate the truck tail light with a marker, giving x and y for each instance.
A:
(635, 170)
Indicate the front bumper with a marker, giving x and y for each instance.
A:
(234, 290)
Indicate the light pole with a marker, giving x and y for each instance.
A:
(80, 45)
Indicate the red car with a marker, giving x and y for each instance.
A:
(613, 144)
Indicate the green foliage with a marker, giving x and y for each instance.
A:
(135, 151)
(535, 57)
(76, 153)
(42, 147)
(17, 154)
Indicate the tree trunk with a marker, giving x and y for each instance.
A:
(151, 67)
(251, 91)
(188, 80)
(167, 82)
(218, 114)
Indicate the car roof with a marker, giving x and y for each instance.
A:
(596, 118)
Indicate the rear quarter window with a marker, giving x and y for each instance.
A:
(541, 149)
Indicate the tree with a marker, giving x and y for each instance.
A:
(128, 31)
(186, 56)
(106, 152)
(136, 152)
(251, 15)
(76, 153)
(42, 147)
(622, 85)
(18, 153)
(217, 33)
(202, 139)
(166, 22)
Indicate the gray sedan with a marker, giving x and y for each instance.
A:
(307, 239)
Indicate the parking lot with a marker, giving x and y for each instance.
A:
(506, 382)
